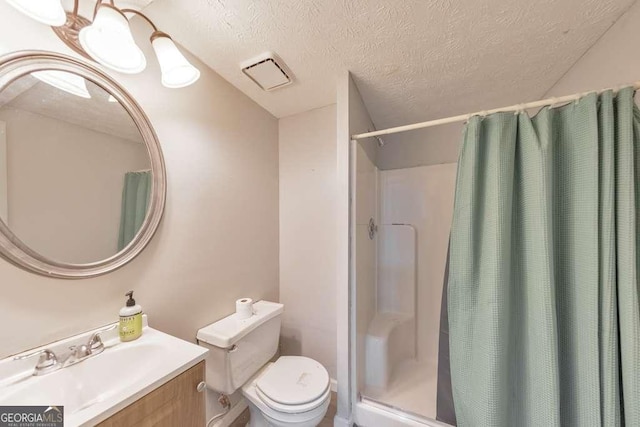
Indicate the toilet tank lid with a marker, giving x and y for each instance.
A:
(228, 331)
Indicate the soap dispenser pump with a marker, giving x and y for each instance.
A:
(130, 327)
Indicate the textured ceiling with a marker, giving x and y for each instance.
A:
(412, 59)
(97, 113)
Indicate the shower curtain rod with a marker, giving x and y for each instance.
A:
(465, 117)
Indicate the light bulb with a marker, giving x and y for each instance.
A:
(176, 70)
(108, 40)
(68, 82)
(49, 12)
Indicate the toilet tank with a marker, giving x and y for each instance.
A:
(238, 348)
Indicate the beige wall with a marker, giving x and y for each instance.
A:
(431, 146)
(342, 249)
(79, 224)
(218, 240)
(307, 239)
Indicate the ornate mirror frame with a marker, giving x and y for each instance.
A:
(17, 64)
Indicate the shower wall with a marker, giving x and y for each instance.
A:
(399, 276)
(423, 198)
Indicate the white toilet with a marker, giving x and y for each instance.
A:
(292, 391)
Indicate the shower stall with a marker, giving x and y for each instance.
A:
(400, 221)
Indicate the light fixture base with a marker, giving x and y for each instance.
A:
(68, 33)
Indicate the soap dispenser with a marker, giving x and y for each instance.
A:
(130, 327)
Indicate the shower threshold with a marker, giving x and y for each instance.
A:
(372, 412)
(398, 411)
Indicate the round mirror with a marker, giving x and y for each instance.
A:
(82, 179)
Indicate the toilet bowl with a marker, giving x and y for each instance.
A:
(293, 391)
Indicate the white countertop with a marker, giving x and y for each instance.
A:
(101, 385)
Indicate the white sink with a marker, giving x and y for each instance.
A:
(101, 385)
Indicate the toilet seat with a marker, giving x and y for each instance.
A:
(294, 384)
(267, 412)
(294, 409)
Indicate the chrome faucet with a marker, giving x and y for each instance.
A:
(48, 361)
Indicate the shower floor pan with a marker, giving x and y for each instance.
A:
(411, 389)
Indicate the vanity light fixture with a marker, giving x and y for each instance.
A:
(68, 82)
(177, 72)
(108, 39)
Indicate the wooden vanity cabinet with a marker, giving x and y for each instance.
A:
(175, 403)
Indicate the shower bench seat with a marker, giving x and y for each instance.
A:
(390, 339)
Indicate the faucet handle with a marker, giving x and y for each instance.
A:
(47, 362)
(95, 343)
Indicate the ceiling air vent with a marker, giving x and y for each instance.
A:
(268, 71)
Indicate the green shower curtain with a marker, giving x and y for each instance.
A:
(543, 288)
(135, 199)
